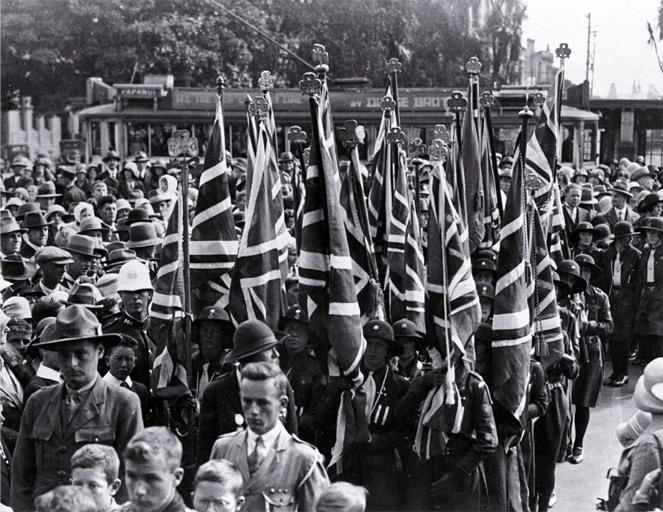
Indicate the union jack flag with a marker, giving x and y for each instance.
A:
(491, 212)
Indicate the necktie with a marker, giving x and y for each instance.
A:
(256, 458)
(369, 389)
(204, 381)
(70, 406)
(621, 216)
(650, 266)
(124, 384)
(617, 272)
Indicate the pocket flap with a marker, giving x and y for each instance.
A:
(95, 435)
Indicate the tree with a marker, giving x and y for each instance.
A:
(654, 39)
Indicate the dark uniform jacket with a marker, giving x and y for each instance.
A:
(623, 298)
(221, 413)
(72, 194)
(125, 324)
(649, 319)
(109, 415)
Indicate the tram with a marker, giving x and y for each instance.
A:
(141, 117)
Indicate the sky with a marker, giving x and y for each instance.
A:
(622, 53)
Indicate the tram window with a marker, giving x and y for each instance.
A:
(159, 135)
(111, 135)
(654, 147)
(95, 136)
(137, 137)
(588, 145)
(202, 132)
(506, 140)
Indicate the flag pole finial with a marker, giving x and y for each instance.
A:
(350, 134)
(181, 144)
(220, 85)
(441, 132)
(417, 147)
(266, 81)
(296, 135)
(387, 104)
(438, 150)
(396, 136)
(310, 84)
(473, 66)
(563, 51)
(259, 108)
(321, 57)
(457, 102)
(487, 99)
(394, 66)
(539, 99)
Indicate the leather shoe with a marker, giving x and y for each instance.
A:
(620, 381)
(610, 380)
(577, 456)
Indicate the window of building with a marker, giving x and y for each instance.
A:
(654, 147)
(589, 145)
(95, 137)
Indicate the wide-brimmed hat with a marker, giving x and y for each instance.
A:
(587, 197)
(585, 260)
(640, 172)
(623, 228)
(571, 269)
(52, 254)
(93, 224)
(485, 290)
(117, 258)
(9, 225)
(158, 196)
(34, 220)
(77, 323)
(286, 156)
(161, 163)
(86, 245)
(26, 208)
(137, 215)
(250, 338)
(621, 187)
(84, 294)
(405, 329)
(69, 170)
(14, 201)
(583, 227)
(141, 157)
(108, 285)
(601, 191)
(56, 208)
(653, 224)
(214, 314)
(16, 268)
(648, 395)
(381, 330)
(142, 234)
(565, 288)
(21, 161)
(47, 189)
(484, 265)
(649, 200)
(606, 235)
(112, 155)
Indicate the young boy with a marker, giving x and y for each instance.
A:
(121, 360)
(65, 498)
(218, 483)
(152, 472)
(95, 468)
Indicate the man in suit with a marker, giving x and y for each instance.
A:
(279, 470)
(66, 177)
(620, 210)
(573, 214)
(60, 419)
(48, 372)
(221, 408)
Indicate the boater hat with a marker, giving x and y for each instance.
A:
(77, 323)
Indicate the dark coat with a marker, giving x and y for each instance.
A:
(110, 415)
(71, 195)
(611, 217)
(221, 413)
(649, 318)
(35, 385)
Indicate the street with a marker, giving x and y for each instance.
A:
(578, 486)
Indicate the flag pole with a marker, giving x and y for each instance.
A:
(297, 139)
(473, 67)
(528, 181)
(393, 68)
(487, 100)
(457, 103)
(417, 147)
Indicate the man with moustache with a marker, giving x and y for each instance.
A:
(37, 235)
(84, 251)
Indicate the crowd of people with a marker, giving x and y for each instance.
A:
(83, 430)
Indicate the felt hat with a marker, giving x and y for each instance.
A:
(77, 323)
(112, 155)
(123, 204)
(142, 234)
(250, 338)
(25, 209)
(286, 156)
(9, 225)
(639, 173)
(406, 328)
(131, 166)
(117, 258)
(648, 395)
(14, 201)
(601, 191)
(571, 270)
(52, 254)
(56, 208)
(45, 161)
(294, 314)
(134, 276)
(624, 228)
(161, 163)
(606, 235)
(112, 184)
(621, 187)
(108, 285)
(34, 220)
(381, 330)
(585, 260)
(84, 294)
(563, 287)
(137, 215)
(583, 227)
(649, 200)
(485, 291)
(69, 171)
(141, 157)
(47, 189)
(484, 264)
(653, 224)
(92, 224)
(587, 197)
(121, 226)
(86, 245)
(16, 268)
(158, 196)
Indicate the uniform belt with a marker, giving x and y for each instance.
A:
(553, 385)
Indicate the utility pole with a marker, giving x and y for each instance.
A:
(589, 38)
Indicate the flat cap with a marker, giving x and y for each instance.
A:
(54, 254)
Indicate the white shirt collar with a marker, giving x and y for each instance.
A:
(112, 379)
(48, 373)
(620, 210)
(268, 439)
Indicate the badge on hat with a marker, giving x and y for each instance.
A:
(210, 315)
(298, 314)
(376, 327)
